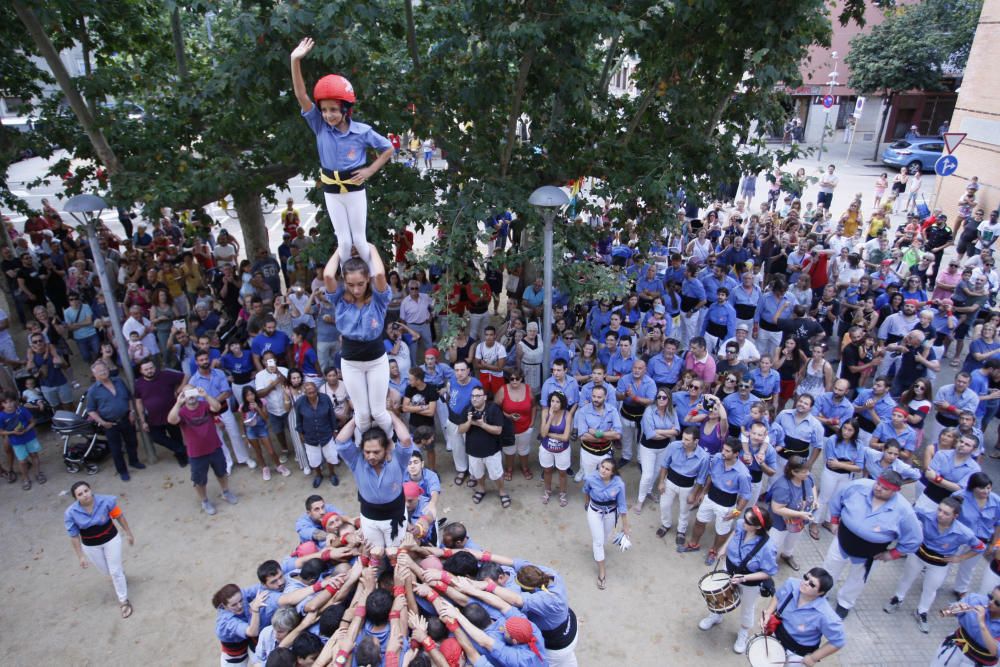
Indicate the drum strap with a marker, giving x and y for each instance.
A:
(742, 567)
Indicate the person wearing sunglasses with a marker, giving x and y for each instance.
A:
(975, 640)
(806, 618)
(868, 517)
(660, 427)
(722, 493)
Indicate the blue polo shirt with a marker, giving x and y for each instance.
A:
(951, 541)
(885, 432)
(982, 520)
(894, 521)
(377, 487)
(587, 418)
(664, 372)
(214, 385)
(342, 151)
(808, 623)
(828, 407)
(729, 480)
(741, 545)
(676, 458)
(871, 461)
(569, 388)
(277, 343)
(364, 323)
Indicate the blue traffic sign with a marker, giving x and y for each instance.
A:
(827, 101)
(946, 165)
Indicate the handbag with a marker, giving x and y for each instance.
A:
(923, 210)
(775, 621)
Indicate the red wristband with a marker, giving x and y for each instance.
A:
(441, 587)
(365, 561)
(835, 520)
(432, 597)
(491, 586)
(451, 624)
(394, 614)
(448, 553)
(446, 578)
(317, 587)
(895, 554)
(938, 479)
(398, 591)
(359, 611)
(343, 654)
(429, 644)
(325, 555)
(343, 540)
(332, 590)
(487, 557)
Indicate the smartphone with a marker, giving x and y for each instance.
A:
(190, 393)
(271, 363)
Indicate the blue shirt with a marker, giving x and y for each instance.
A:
(213, 355)
(569, 388)
(459, 397)
(740, 546)
(943, 463)
(951, 541)
(597, 320)
(683, 407)
(76, 517)
(325, 331)
(305, 526)
(980, 383)
(546, 607)
(693, 288)
(738, 409)
(798, 498)
(663, 372)
(71, 316)
(883, 406)
(111, 407)
(828, 407)
(214, 385)
(377, 487)
(10, 421)
(729, 480)
(808, 623)
(871, 461)
(723, 315)
(277, 343)
(236, 365)
(653, 420)
(587, 418)
(836, 449)
(712, 285)
(587, 391)
(694, 464)
(970, 622)
(441, 374)
(602, 492)
(885, 432)
(429, 482)
(620, 366)
(342, 151)
(809, 430)
(969, 400)
(739, 297)
(654, 285)
(770, 305)
(230, 627)
(765, 386)
(982, 520)
(316, 424)
(643, 388)
(364, 323)
(894, 521)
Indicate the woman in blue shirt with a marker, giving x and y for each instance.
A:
(981, 513)
(793, 501)
(361, 304)
(237, 621)
(806, 618)
(90, 523)
(840, 456)
(342, 144)
(604, 494)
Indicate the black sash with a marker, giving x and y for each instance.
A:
(339, 186)
(946, 420)
(975, 652)
(930, 556)
(716, 329)
(795, 447)
(688, 303)
(756, 474)
(235, 652)
(858, 547)
(720, 497)
(781, 634)
(865, 423)
(393, 511)
(935, 492)
(362, 350)
(596, 448)
(95, 536)
(680, 480)
(562, 636)
(769, 326)
(745, 311)
(628, 411)
(243, 378)
(604, 506)
(655, 444)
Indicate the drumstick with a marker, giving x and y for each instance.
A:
(763, 621)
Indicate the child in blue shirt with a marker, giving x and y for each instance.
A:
(17, 426)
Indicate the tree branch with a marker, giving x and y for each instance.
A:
(515, 109)
(605, 80)
(644, 103)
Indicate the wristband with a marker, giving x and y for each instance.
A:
(835, 520)
(343, 540)
(393, 614)
(938, 479)
(432, 596)
(429, 644)
(448, 553)
(398, 591)
(414, 644)
(317, 587)
(487, 557)
(446, 578)
(332, 590)
(359, 611)
(894, 553)
(325, 555)
(440, 587)
(491, 586)
(451, 624)
(341, 658)
(357, 524)
(365, 561)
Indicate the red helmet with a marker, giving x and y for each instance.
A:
(334, 87)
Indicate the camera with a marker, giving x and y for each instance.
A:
(478, 414)
(706, 403)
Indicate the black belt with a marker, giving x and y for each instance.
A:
(596, 448)
(789, 644)
(935, 492)
(769, 326)
(720, 497)
(756, 474)
(795, 447)
(688, 303)
(361, 350)
(562, 636)
(745, 311)
(95, 536)
(393, 511)
(930, 556)
(655, 444)
(680, 480)
(716, 329)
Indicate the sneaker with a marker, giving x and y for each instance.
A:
(307, 471)
(266, 474)
(710, 620)
(842, 611)
(283, 458)
(623, 462)
(680, 540)
(892, 606)
(208, 507)
(740, 646)
(570, 471)
(251, 464)
(137, 465)
(791, 562)
(578, 477)
(334, 479)
(285, 472)
(317, 480)
(125, 477)
(662, 530)
(229, 497)
(922, 622)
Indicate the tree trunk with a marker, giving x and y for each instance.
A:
(886, 107)
(247, 205)
(515, 110)
(51, 56)
(411, 36)
(175, 28)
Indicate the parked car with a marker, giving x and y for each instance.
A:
(25, 126)
(916, 153)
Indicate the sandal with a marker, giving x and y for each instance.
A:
(41, 478)
(563, 500)
(10, 475)
(478, 496)
(27, 484)
(601, 583)
(471, 483)
(814, 531)
(687, 547)
(508, 475)
(126, 609)
(545, 496)
(504, 501)
(460, 478)
(527, 473)
(954, 363)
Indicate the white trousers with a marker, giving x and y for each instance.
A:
(589, 462)
(349, 214)
(564, 657)
(367, 384)
(522, 444)
(108, 559)
(951, 656)
(456, 443)
(630, 435)
(748, 603)
(835, 563)
(830, 482)
(963, 574)
(650, 460)
(316, 454)
(768, 342)
(689, 327)
(379, 533)
(989, 582)
(232, 428)
(784, 541)
(934, 576)
(602, 527)
(666, 506)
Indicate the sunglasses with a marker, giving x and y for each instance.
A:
(746, 386)
(661, 397)
(811, 583)
(994, 601)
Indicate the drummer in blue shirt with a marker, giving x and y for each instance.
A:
(806, 618)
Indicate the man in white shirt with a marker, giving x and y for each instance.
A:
(415, 311)
(490, 357)
(141, 325)
(337, 393)
(269, 384)
(827, 184)
(748, 352)
(225, 251)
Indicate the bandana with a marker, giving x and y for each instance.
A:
(887, 484)
(519, 629)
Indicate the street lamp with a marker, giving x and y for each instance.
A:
(547, 199)
(826, 120)
(86, 210)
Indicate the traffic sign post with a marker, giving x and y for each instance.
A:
(946, 165)
(827, 101)
(952, 140)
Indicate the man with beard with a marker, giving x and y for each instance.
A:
(154, 396)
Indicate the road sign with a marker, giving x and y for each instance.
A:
(827, 101)
(859, 105)
(946, 165)
(952, 140)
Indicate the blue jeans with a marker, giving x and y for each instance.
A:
(90, 347)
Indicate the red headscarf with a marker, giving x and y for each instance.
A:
(519, 629)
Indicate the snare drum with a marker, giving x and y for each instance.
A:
(764, 651)
(720, 593)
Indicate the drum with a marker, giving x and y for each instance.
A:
(764, 651)
(720, 593)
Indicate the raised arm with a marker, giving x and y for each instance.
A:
(298, 83)
(378, 269)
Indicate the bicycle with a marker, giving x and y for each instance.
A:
(226, 204)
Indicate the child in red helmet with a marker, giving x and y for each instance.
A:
(342, 145)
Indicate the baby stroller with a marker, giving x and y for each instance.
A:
(84, 444)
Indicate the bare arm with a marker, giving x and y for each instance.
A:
(298, 83)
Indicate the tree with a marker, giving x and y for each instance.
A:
(912, 48)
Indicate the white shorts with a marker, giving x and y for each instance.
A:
(522, 444)
(491, 465)
(315, 455)
(710, 510)
(547, 459)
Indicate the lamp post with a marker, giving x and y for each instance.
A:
(86, 210)
(547, 199)
(826, 119)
